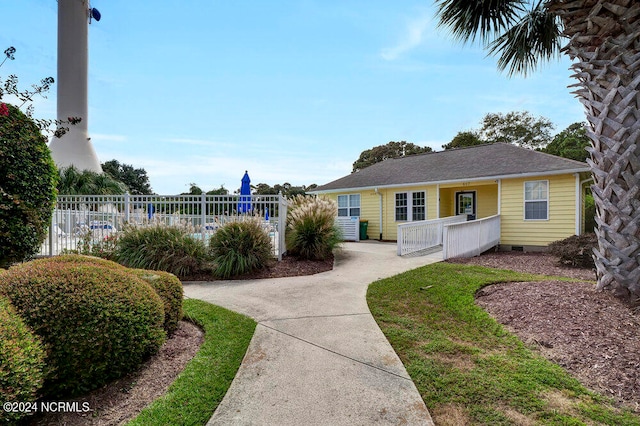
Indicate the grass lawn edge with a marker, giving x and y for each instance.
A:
(198, 390)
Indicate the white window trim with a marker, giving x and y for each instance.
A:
(525, 201)
(409, 205)
(349, 206)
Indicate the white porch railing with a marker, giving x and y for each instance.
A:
(350, 227)
(77, 218)
(471, 238)
(423, 234)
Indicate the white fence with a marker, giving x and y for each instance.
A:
(423, 234)
(89, 219)
(350, 227)
(471, 238)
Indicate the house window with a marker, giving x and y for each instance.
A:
(536, 200)
(411, 206)
(349, 205)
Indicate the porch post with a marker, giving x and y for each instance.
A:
(438, 201)
(499, 195)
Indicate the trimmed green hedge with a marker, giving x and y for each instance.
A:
(99, 322)
(21, 361)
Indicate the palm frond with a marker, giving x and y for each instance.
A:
(535, 38)
(468, 19)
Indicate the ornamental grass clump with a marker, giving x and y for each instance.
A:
(21, 362)
(240, 247)
(97, 322)
(161, 247)
(311, 230)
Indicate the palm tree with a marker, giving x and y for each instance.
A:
(603, 41)
(74, 182)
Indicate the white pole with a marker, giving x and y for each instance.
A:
(73, 148)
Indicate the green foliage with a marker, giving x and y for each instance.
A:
(71, 181)
(576, 250)
(98, 322)
(383, 152)
(87, 246)
(240, 247)
(311, 229)
(21, 361)
(570, 143)
(463, 139)
(170, 290)
(518, 128)
(161, 247)
(589, 213)
(198, 391)
(27, 187)
(462, 360)
(136, 180)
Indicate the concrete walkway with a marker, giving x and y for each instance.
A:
(317, 356)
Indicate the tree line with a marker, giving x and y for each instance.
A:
(518, 128)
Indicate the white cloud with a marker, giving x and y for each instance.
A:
(414, 35)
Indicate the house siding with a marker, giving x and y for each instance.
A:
(515, 230)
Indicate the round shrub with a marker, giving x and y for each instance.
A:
(166, 285)
(21, 361)
(27, 188)
(161, 248)
(170, 290)
(98, 322)
(239, 248)
(311, 229)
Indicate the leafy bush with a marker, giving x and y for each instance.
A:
(98, 321)
(21, 361)
(576, 250)
(170, 290)
(167, 286)
(311, 229)
(27, 189)
(239, 248)
(87, 246)
(162, 248)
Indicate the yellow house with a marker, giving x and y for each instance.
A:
(537, 196)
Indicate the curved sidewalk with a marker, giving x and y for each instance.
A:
(317, 356)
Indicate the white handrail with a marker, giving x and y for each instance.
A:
(471, 238)
(423, 234)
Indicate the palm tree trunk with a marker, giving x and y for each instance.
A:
(605, 46)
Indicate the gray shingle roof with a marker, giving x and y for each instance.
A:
(477, 162)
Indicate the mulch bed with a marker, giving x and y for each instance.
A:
(590, 333)
(289, 266)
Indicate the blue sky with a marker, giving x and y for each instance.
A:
(292, 91)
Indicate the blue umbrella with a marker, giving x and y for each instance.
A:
(245, 194)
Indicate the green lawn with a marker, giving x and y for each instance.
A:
(198, 390)
(467, 367)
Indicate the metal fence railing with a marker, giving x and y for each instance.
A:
(421, 235)
(82, 219)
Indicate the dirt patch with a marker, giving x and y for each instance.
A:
(590, 333)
